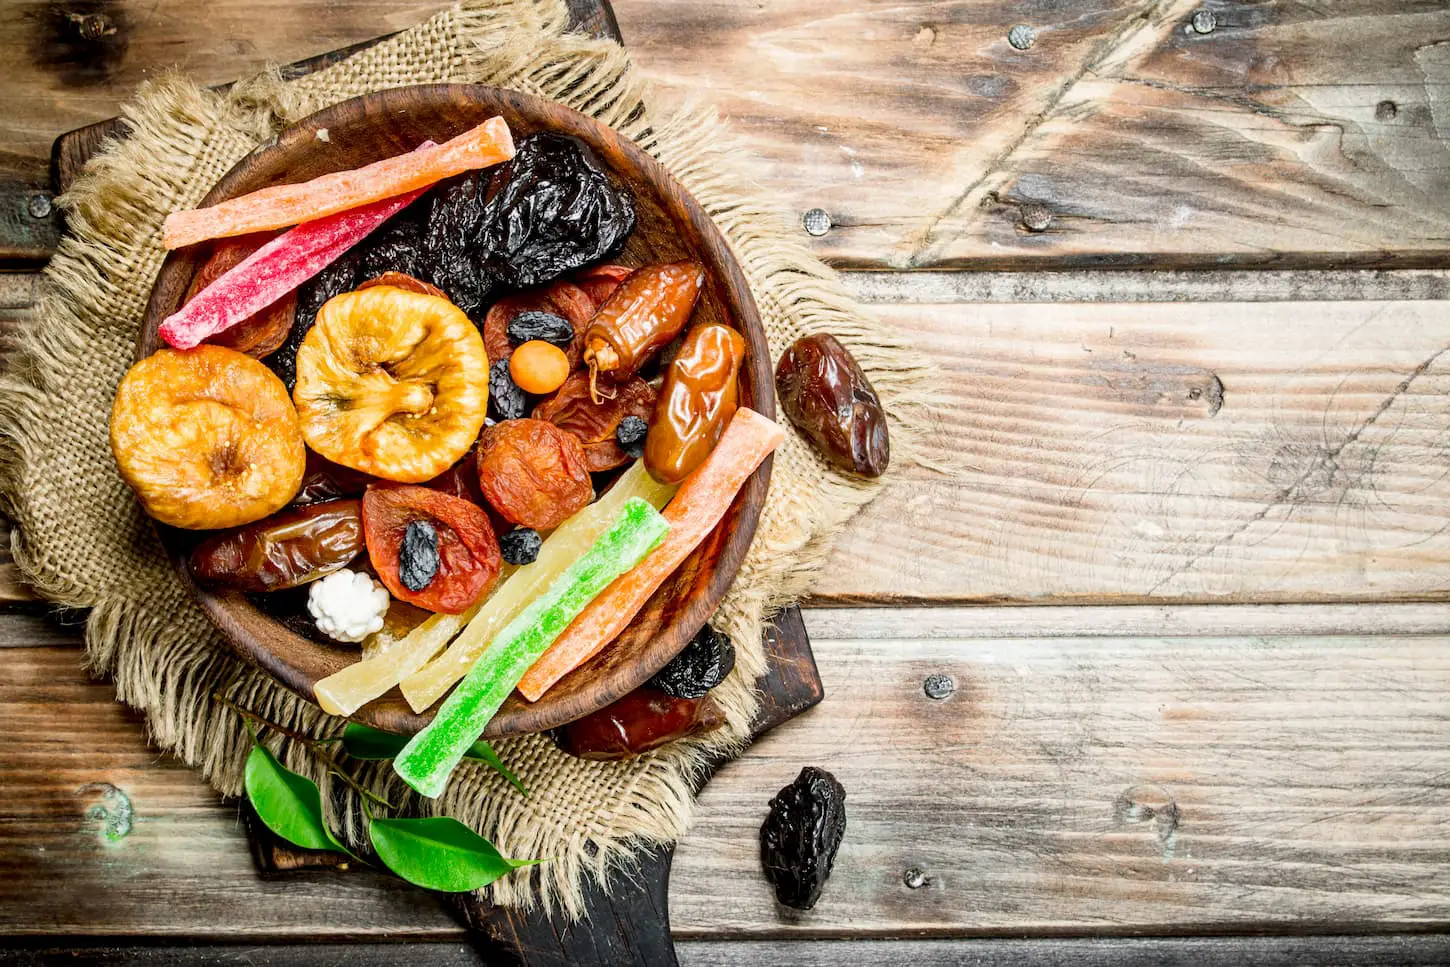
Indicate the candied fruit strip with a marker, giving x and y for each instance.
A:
(283, 205)
(697, 507)
(429, 758)
(274, 270)
(559, 549)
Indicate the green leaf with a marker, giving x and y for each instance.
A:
(362, 742)
(439, 853)
(289, 804)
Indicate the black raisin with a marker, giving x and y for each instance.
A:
(554, 211)
(505, 400)
(540, 325)
(520, 546)
(630, 434)
(418, 557)
(704, 663)
(799, 839)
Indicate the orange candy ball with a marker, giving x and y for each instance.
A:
(539, 367)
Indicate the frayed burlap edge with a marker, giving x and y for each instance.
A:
(164, 656)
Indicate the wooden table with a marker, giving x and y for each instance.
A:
(1183, 267)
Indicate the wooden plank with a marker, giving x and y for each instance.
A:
(1304, 773)
(928, 138)
(1145, 452)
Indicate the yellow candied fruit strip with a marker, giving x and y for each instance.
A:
(560, 549)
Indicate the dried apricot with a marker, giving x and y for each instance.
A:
(432, 550)
(597, 424)
(260, 334)
(207, 438)
(392, 382)
(562, 299)
(533, 473)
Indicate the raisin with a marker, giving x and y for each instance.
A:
(630, 434)
(550, 328)
(703, 664)
(800, 836)
(520, 546)
(418, 555)
(505, 400)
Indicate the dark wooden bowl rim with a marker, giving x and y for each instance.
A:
(676, 612)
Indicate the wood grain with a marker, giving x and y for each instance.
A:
(923, 132)
(1305, 771)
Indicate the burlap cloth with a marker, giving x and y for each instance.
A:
(82, 540)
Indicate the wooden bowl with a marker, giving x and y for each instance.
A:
(671, 226)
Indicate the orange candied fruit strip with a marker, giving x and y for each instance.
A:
(282, 205)
(697, 507)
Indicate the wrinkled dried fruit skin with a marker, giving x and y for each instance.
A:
(393, 383)
(467, 551)
(630, 435)
(401, 280)
(339, 277)
(699, 397)
(562, 299)
(520, 546)
(534, 324)
(395, 247)
(800, 836)
(505, 400)
(453, 250)
(264, 332)
(553, 210)
(600, 281)
(596, 424)
(533, 473)
(642, 316)
(703, 664)
(325, 480)
(829, 399)
(641, 721)
(418, 555)
(207, 438)
(289, 548)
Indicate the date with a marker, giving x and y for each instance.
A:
(282, 551)
(829, 399)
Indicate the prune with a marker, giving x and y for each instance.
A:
(453, 251)
(505, 400)
(699, 397)
(535, 324)
(704, 663)
(520, 546)
(800, 836)
(533, 473)
(596, 425)
(829, 399)
(396, 247)
(641, 721)
(418, 555)
(285, 550)
(553, 210)
(630, 436)
(339, 277)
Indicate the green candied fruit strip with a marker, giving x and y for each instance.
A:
(429, 758)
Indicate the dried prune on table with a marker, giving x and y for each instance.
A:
(505, 400)
(641, 721)
(800, 836)
(520, 546)
(704, 663)
(536, 324)
(630, 436)
(829, 399)
(418, 555)
(553, 211)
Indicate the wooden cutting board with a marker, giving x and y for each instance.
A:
(627, 923)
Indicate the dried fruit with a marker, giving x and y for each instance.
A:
(704, 663)
(262, 332)
(597, 424)
(392, 383)
(282, 551)
(206, 438)
(535, 324)
(464, 558)
(418, 556)
(538, 367)
(644, 314)
(520, 546)
(600, 281)
(533, 473)
(641, 721)
(401, 280)
(561, 299)
(505, 400)
(698, 399)
(800, 836)
(829, 399)
(554, 210)
(339, 277)
(460, 480)
(630, 435)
